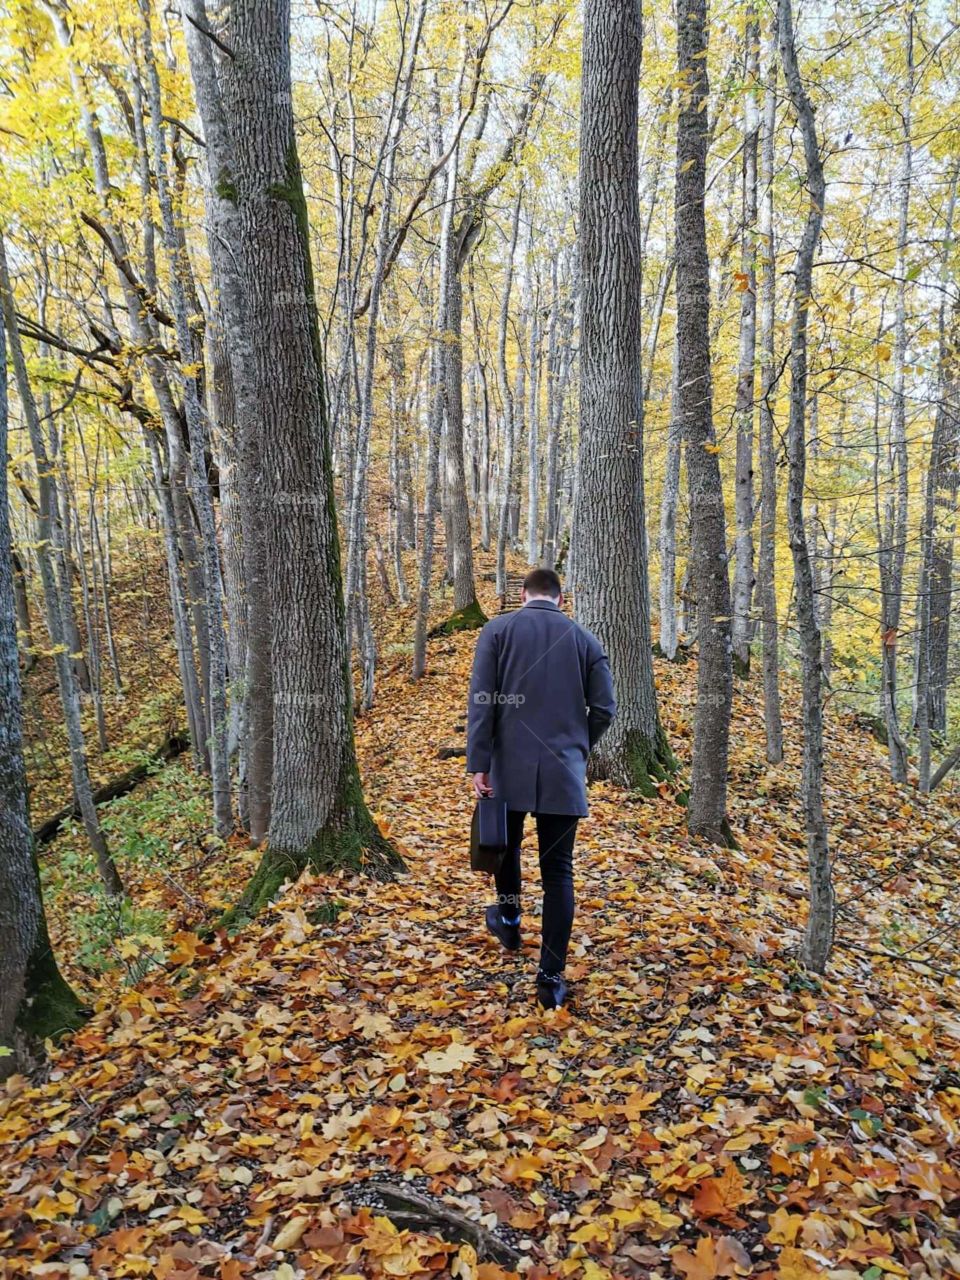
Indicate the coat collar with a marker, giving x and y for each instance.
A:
(541, 604)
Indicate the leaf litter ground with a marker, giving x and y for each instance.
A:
(361, 1084)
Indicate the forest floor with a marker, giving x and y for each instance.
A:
(361, 1083)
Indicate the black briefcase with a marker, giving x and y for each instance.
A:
(488, 835)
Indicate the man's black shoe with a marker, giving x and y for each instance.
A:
(552, 992)
(508, 934)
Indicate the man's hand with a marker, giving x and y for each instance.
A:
(481, 785)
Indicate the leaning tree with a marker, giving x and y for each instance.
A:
(35, 1000)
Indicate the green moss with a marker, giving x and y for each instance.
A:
(647, 763)
(680, 657)
(225, 187)
(350, 841)
(469, 618)
(52, 1007)
(741, 668)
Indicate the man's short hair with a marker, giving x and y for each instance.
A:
(543, 582)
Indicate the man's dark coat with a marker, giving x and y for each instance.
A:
(540, 697)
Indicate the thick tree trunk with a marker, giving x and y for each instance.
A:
(708, 551)
(818, 940)
(224, 238)
(609, 573)
(35, 1001)
(766, 562)
(318, 814)
(743, 579)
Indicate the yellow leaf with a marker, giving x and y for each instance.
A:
(784, 1227)
(639, 1102)
(290, 1233)
(452, 1058)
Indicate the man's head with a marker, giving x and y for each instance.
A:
(542, 584)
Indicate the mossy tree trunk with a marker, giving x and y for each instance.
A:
(706, 814)
(35, 1001)
(318, 815)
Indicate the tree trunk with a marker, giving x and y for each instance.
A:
(508, 434)
(533, 435)
(818, 939)
(318, 814)
(766, 563)
(610, 587)
(197, 435)
(894, 532)
(937, 536)
(743, 579)
(22, 604)
(435, 424)
(669, 504)
(708, 552)
(357, 604)
(35, 1001)
(224, 238)
(48, 556)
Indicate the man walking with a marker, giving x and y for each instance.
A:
(541, 695)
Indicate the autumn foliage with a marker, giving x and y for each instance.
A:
(703, 1110)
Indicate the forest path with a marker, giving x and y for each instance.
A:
(705, 1109)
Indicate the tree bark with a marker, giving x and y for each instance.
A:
(48, 556)
(610, 588)
(508, 432)
(743, 579)
(818, 939)
(894, 531)
(706, 815)
(669, 504)
(22, 604)
(318, 813)
(224, 241)
(197, 435)
(35, 1001)
(766, 562)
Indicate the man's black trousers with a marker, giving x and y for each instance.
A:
(556, 833)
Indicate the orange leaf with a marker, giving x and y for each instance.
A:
(719, 1197)
(701, 1265)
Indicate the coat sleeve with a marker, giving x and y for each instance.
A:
(601, 703)
(482, 706)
